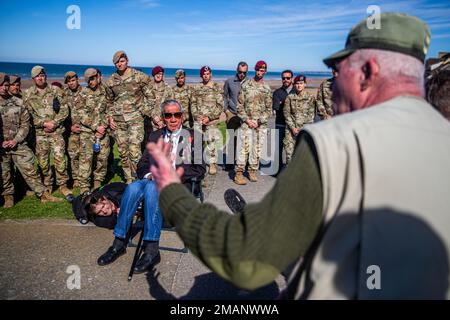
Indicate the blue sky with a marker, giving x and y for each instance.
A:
(287, 34)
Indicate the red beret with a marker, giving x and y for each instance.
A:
(300, 77)
(260, 65)
(204, 69)
(157, 70)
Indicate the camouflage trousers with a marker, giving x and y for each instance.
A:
(129, 136)
(249, 147)
(289, 144)
(213, 142)
(88, 158)
(23, 158)
(45, 145)
(73, 150)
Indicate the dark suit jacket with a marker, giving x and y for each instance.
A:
(191, 170)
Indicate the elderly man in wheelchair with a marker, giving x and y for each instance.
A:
(184, 155)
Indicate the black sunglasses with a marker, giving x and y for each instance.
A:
(286, 78)
(177, 115)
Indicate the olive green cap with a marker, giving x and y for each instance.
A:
(36, 71)
(398, 32)
(69, 75)
(118, 55)
(14, 78)
(3, 78)
(90, 72)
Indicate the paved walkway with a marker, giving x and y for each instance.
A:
(35, 257)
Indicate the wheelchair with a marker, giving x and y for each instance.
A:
(138, 226)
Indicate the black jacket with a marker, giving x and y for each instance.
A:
(112, 191)
(191, 170)
(279, 97)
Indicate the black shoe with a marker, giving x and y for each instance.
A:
(146, 262)
(111, 255)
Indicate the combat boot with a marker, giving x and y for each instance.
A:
(252, 176)
(84, 190)
(76, 184)
(9, 201)
(29, 193)
(65, 191)
(47, 197)
(239, 178)
(212, 169)
(97, 184)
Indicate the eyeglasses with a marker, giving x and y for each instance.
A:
(177, 115)
(286, 78)
(242, 72)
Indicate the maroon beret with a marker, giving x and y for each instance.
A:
(300, 77)
(157, 70)
(260, 65)
(204, 69)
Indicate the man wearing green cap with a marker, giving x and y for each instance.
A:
(183, 94)
(363, 205)
(76, 105)
(130, 98)
(48, 107)
(15, 122)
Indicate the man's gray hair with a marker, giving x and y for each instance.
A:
(395, 67)
(169, 102)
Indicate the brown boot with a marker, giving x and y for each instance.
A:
(29, 193)
(97, 184)
(65, 191)
(83, 190)
(47, 197)
(252, 176)
(212, 169)
(9, 201)
(239, 178)
(76, 184)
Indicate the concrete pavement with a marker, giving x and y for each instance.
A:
(39, 257)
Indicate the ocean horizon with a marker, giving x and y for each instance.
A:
(57, 71)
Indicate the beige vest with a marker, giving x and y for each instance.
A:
(386, 185)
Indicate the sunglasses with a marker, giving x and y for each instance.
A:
(286, 78)
(177, 115)
(242, 72)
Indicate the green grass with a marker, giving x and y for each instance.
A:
(31, 207)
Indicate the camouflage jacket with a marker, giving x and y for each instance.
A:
(183, 95)
(50, 104)
(160, 92)
(76, 103)
(255, 101)
(207, 100)
(129, 96)
(95, 109)
(323, 101)
(299, 109)
(15, 120)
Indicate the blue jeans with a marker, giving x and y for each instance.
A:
(133, 195)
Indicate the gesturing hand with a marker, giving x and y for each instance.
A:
(163, 173)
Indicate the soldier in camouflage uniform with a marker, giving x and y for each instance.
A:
(160, 93)
(15, 122)
(254, 108)
(94, 124)
(437, 85)
(183, 94)
(299, 109)
(129, 98)
(324, 102)
(76, 109)
(206, 107)
(48, 107)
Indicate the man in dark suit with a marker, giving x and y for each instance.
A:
(183, 155)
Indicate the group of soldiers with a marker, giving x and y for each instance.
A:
(78, 121)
